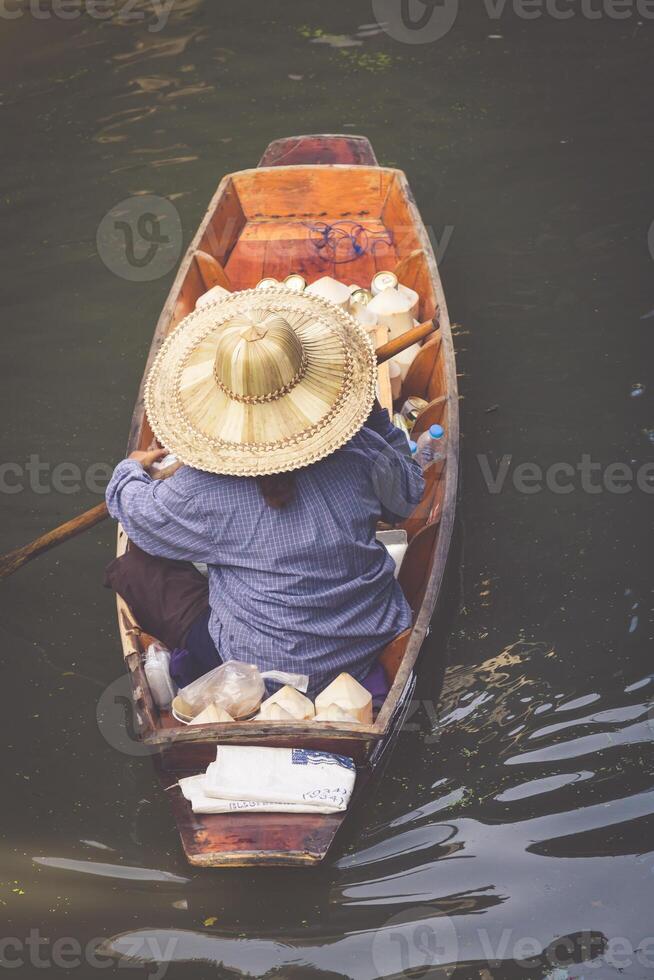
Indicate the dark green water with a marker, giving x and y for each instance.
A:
(512, 833)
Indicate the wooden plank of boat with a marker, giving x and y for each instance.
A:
(245, 839)
(296, 150)
(259, 223)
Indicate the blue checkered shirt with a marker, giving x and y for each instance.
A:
(305, 588)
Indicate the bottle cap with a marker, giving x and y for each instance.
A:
(436, 431)
(413, 446)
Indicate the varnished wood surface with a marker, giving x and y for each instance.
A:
(422, 368)
(293, 150)
(246, 839)
(196, 753)
(211, 271)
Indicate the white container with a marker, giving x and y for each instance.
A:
(405, 359)
(393, 310)
(396, 543)
(411, 296)
(213, 295)
(157, 671)
(395, 375)
(332, 290)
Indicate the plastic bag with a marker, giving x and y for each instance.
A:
(237, 687)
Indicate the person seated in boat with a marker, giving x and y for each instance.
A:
(289, 463)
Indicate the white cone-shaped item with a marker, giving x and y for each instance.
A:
(392, 309)
(213, 295)
(212, 714)
(276, 713)
(332, 290)
(347, 693)
(334, 712)
(297, 705)
(411, 296)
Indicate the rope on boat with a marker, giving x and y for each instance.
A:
(352, 236)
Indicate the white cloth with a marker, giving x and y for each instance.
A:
(271, 780)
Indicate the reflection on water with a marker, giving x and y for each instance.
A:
(109, 870)
(513, 826)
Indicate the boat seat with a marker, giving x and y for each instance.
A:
(211, 271)
(421, 369)
(416, 566)
(428, 508)
(203, 274)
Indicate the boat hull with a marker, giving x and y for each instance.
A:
(252, 228)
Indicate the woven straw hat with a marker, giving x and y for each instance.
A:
(261, 382)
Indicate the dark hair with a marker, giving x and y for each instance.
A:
(278, 490)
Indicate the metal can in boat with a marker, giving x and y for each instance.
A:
(361, 297)
(267, 283)
(383, 280)
(412, 408)
(401, 423)
(296, 282)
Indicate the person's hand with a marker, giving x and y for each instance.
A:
(147, 458)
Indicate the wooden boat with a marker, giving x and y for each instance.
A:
(270, 221)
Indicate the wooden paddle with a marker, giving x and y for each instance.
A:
(13, 560)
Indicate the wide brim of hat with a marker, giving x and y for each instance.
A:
(205, 428)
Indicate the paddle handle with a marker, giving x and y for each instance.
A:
(407, 339)
(15, 559)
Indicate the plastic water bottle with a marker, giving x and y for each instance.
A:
(413, 447)
(431, 445)
(157, 672)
